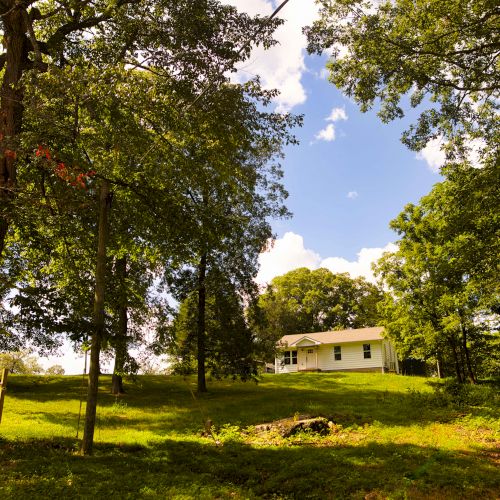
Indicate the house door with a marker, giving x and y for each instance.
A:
(310, 359)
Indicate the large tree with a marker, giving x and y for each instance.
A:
(233, 191)
(303, 301)
(443, 279)
(230, 348)
(138, 154)
(194, 43)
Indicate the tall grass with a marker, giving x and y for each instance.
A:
(391, 436)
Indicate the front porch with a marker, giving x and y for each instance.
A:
(307, 359)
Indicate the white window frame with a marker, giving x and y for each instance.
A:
(290, 358)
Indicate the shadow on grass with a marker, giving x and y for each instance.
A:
(192, 469)
(166, 404)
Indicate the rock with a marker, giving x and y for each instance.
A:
(289, 426)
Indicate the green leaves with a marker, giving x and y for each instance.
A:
(303, 301)
(444, 277)
(444, 51)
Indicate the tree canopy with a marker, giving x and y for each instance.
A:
(304, 301)
(128, 155)
(441, 57)
(443, 280)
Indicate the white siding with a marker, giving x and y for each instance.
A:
(352, 356)
(280, 367)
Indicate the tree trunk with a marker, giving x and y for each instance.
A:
(457, 361)
(16, 47)
(121, 337)
(95, 347)
(470, 371)
(202, 271)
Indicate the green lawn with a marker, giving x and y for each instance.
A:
(392, 438)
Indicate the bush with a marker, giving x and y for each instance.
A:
(465, 394)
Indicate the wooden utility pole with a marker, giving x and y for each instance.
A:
(98, 334)
(3, 388)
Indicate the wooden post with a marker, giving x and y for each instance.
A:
(3, 388)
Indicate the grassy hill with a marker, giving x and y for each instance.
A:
(390, 437)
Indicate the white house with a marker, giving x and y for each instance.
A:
(362, 349)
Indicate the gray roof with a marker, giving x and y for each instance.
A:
(336, 337)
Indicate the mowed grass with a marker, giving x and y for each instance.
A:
(391, 438)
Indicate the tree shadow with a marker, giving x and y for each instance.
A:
(168, 405)
(194, 469)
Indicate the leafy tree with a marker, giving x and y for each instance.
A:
(55, 370)
(303, 301)
(230, 350)
(443, 282)
(234, 188)
(21, 362)
(442, 55)
(188, 42)
(138, 156)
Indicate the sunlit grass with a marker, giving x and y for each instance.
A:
(390, 439)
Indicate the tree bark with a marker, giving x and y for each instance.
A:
(121, 337)
(458, 371)
(202, 271)
(95, 348)
(438, 366)
(470, 371)
(16, 47)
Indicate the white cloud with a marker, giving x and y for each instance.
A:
(282, 66)
(323, 74)
(433, 154)
(360, 267)
(475, 151)
(352, 195)
(289, 253)
(435, 157)
(327, 134)
(286, 254)
(336, 115)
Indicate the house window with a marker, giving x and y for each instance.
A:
(310, 351)
(337, 353)
(290, 357)
(367, 351)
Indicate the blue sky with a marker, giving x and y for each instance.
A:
(345, 183)
(366, 159)
(349, 176)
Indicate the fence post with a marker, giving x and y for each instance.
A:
(3, 388)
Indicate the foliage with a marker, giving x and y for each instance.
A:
(21, 362)
(444, 278)
(441, 56)
(131, 99)
(55, 370)
(149, 444)
(303, 301)
(231, 347)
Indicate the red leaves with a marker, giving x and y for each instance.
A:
(43, 152)
(69, 175)
(8, 153)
